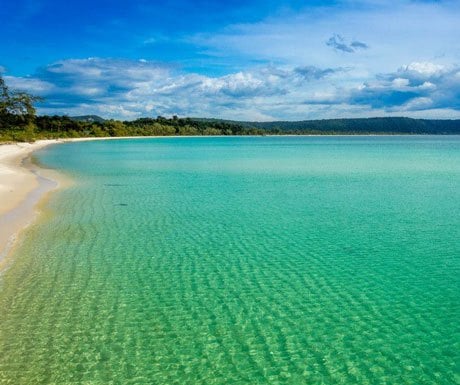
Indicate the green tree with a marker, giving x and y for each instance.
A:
(188, 130)
(16, 108)
(115, 128)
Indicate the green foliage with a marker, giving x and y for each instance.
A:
(19, 123)
(393, 125)
(16, 110)
(49, 127)
(187, 130)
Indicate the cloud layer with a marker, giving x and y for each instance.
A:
(415, 87)
(130, 89)
(352, 58)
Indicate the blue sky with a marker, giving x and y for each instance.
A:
(247, 60)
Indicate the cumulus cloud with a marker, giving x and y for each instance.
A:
(287, 66)
(29, 84)
(128, 89)
(417, 86)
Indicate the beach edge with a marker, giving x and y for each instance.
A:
(23, 187)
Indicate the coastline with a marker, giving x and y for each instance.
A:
(23, 185)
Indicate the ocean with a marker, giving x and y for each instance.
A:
(240, 260)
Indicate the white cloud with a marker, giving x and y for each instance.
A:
(29, 84)
(424, 68)
(130, 89)
(400, 82)
(395, 33)
(357, 58)
(420, 103)
(416, 86)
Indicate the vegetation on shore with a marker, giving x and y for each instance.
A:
(18, 122)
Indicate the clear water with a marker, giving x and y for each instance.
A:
(298, 260)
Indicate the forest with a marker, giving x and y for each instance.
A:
(19, 123)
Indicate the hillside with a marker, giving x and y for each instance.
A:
(43, 127)
(397, 125)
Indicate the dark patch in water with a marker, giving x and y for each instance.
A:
(122, 204)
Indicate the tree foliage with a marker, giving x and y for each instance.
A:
(16, 108)
(18, 122)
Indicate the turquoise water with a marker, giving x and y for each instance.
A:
(296, 260)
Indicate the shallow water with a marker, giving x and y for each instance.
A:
(296, 260)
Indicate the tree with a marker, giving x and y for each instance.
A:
(16, 108)
(4, 99)
(115, 128)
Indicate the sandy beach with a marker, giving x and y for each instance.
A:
(22, 186)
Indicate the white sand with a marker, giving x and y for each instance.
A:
(16, 180)
(21, 188)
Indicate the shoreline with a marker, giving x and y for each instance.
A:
(23, 186)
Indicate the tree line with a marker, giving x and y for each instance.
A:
(19, 122)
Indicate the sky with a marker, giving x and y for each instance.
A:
(258, 60)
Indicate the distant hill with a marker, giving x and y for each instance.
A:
(88, 119)
(47, 127)
(393, 125)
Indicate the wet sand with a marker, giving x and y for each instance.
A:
(22, 186)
